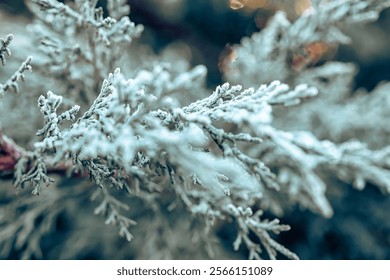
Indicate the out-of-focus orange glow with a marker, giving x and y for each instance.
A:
(317, 50)
(248, 4)
(293, 8)
(256, 4)
(313, 53)
(301, 6)
(228, 55)
(236, 4)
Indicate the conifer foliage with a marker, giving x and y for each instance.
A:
(158, 155)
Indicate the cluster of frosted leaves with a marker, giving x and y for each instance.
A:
(12, 82)
(85, 14)
(363, 116)
(78, 42)
(66, 35)
(120, 126)
(134, 134)
(270, 53)
(298, 157)
(333, 115)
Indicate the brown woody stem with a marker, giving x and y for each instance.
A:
(10, 153)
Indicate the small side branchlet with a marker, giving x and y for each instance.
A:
(12, 83)
(4, 48)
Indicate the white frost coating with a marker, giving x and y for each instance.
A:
(220, 156)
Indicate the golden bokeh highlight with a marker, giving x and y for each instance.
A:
(301, 6)
(293, 8)
(313, 53)
(236, 4)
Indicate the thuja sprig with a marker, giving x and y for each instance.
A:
(4, 49)
(12, 82)
(32, 169)
(249, 222)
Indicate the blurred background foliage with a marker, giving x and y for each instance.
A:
(209, 27)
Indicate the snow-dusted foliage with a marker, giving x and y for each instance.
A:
(222, 158)
(291, 50)
(289, 47)
(11, 83)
